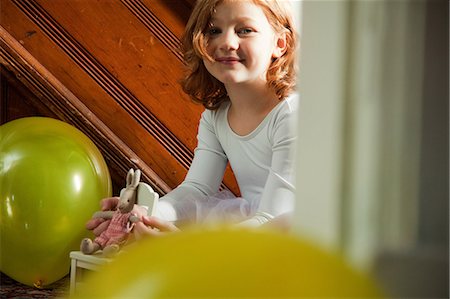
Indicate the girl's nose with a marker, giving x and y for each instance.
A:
(229, 41)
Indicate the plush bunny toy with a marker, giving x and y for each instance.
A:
(122, 220)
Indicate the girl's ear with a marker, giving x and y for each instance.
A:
(280, 46)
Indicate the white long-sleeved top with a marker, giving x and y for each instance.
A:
(262, 162)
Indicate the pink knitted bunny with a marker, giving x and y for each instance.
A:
(122, 220)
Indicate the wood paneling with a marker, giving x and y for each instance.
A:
(17, 101)
(111, 68)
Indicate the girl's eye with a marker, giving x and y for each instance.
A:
(245, 31)
(213, 31)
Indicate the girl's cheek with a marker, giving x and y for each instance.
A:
(210, 46)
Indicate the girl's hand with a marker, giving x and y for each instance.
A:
(282, 222)
(98, 225)
(153, 226)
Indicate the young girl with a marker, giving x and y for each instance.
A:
(240, 59)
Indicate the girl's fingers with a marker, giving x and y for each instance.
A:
(162, 225)
(98, 225)
(152, 226)
(101, 227)
(109, 203)
(93, 223)
(141, 230)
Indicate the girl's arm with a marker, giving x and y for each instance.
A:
(203, 178)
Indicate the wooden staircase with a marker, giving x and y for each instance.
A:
(110, 68)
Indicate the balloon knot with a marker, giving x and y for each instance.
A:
(38, 284)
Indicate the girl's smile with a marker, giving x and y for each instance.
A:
(229, 60)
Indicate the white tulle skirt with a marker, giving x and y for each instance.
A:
(222, 207)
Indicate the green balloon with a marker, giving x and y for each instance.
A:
(52, 178)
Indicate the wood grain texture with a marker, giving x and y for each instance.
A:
(66, 106)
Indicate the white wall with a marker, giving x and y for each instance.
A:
(322, 87)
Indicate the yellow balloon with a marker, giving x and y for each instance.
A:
(227, 263)
(52, 178)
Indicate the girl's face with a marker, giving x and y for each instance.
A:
(241, 42)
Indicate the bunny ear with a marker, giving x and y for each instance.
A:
(136, 178)
(130, 176)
